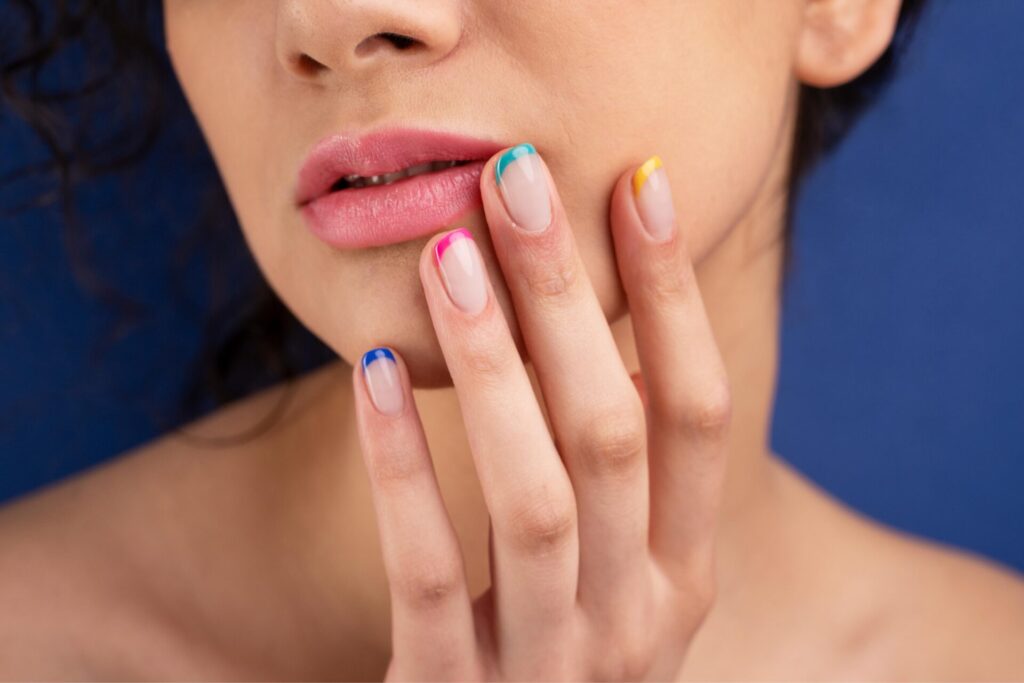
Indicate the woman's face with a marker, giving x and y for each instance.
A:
(595, 85)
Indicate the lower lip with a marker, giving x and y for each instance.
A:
(406, 209)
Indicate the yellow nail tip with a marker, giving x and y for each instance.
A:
(644, 172)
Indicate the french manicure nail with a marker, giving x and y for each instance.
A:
(654, 199)
(383, 380)
(462, 270)
(524, 187)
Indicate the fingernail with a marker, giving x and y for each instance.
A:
(383, 381)
(654, 199)
(524, 187)
(462, 270)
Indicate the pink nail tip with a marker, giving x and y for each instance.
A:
(445, 242)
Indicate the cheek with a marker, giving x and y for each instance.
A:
(351, 300)
(703, 84)
(237, 93)
(736, 109)
(710, 90)
(220, 72)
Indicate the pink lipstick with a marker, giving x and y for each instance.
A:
(389, 186)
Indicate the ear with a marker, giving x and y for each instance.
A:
(841, 39)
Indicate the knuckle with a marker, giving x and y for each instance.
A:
(708, 415)
(699, 585)
(552, 283)
(486, 358)
(426, 585)
(542, 525)
(614, 443)
(703, 590)
(666, 279)
(396, 467)
(713, 414)
(630, 660)
(626, 651)
(701, 599)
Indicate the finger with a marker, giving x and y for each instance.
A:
(595, 410)
(524, 483)
(431, 612)
(684, 379)
(638, 382)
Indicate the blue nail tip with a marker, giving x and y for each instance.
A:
(374, 354)
(511, 155)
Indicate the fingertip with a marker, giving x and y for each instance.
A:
(428, 256)
(643, 210)
(519, 193)
(403, 370)
(624, 217)
(489, 174)
(644, 172)
(384, 380)
(489, 191)
(652, 198)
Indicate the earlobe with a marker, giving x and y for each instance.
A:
(841, 39)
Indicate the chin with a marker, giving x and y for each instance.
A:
(409, 330)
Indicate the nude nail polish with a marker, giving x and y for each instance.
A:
(654, 199)
(462, 270)
(383, 380)
(524, 187)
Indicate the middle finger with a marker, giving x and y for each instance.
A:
(595, 411)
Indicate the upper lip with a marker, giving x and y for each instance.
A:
(382, 151)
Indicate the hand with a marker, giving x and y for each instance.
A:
(601, 543)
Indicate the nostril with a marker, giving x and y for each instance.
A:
(398, 40)
(307, 66)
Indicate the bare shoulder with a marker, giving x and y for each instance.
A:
(254, 423)
(915, 608)
(952, 613)
(87, 560)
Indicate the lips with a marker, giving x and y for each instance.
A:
(347, 213)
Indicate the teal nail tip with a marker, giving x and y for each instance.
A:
(511, 155)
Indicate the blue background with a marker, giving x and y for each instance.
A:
(901, 387)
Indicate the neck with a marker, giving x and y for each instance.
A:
(299, 483)
(739, 280)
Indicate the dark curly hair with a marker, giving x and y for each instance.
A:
(106, 117)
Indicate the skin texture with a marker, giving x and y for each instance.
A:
(261, 112)
(265, 560)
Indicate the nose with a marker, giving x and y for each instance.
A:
(341, 40)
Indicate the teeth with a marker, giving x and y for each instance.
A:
(388, 178)
(441, 165)
(420, 168)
